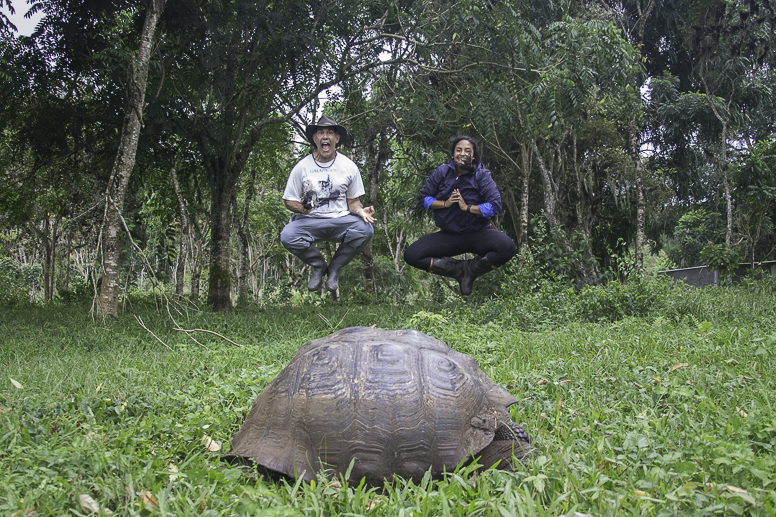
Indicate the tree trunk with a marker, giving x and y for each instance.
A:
(46, 257)
(180, 267)
(219, 295)
(222, 177)
(583, 211)
(723, 161)
(726, 184)
(550, 189)
(244, 261)
(125, 162)
(48, 236)
(633, 129)
(367, 255)
(397, 253)
(375, 160)
(180, 271)
(368, 261)
(641, 204)
(291, 271)
(67, 262)
(253, 279)
(196, 277)
(53, 258)
(197, 233)
(526, 169)
(244, 266)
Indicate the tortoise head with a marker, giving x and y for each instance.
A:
(509, 450)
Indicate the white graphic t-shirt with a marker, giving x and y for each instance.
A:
(325, 187)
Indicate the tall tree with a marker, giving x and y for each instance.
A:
(635, 29)
(137, 81)
(730, 41)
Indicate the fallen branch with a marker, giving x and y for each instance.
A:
(140, 321)
(192, 338)
(178, 328)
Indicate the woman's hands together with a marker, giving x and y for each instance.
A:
(456, 198)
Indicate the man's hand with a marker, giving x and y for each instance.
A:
(356, 208)
(367, 214)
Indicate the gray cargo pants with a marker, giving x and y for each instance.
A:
(302, 231)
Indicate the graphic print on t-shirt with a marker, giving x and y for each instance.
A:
(309, 197)
(313, 197)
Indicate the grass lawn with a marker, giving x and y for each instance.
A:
(661, 414)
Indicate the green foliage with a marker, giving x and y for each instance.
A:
(696, 230)
(755, 178)
(721, 257)
(616, 301)
(658, 262)
(621, 263)
(390, 282)
(532, 301)
(428, 322)
(18, 281)
(758, 281)
(560, 255)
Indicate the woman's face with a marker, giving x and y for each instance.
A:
(463, 155)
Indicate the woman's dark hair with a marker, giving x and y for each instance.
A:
(476, 148)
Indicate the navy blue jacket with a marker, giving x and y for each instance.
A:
(476, 188)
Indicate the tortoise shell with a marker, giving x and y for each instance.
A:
(390, 402)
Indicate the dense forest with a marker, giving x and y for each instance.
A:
(145, 144)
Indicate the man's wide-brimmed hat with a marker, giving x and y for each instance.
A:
(327, 121)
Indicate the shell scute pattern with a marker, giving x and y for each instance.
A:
(393, 402)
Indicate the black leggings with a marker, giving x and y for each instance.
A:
(495, 246)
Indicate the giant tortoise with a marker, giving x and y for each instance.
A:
(389, 402)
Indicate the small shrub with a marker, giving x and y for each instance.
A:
(388, 281)
(622, 263)
(695, 230)
(560, 255)
(595, 303)
(17, 281)
(759, 281)
(521, 275)
(427, 322)
(614, 301)
(79, 290)
(720, 257)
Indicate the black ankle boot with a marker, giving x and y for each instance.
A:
(448, 267)
(313, 258)
(344, 254)
(473, 269)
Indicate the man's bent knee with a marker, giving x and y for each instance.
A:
(292, 240)
(359, 235)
